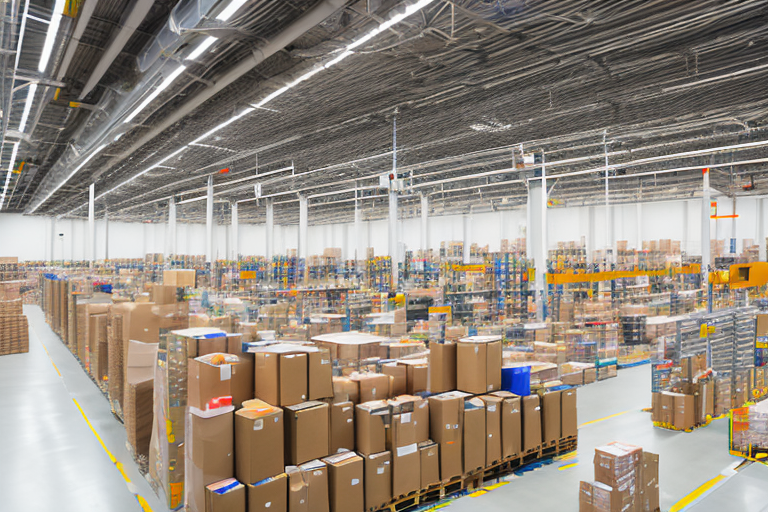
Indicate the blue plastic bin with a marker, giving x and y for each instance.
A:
(517, 380)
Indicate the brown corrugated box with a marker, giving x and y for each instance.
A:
(569, 421)
(372, 386)
(342, 427)
(685, 416)
(446, 416)
(406, 469)
(225, 496)
(585, 497)
(418, 407)
(306, 432)
(474, 435)
(649, 493)
(550, 416)
(371, 423)
(259, 443)
(315, 474)
(269, 495)
(320, 374)
(207, 381)
(478, 364)
(493, 410)
(442, 367)
(210, 455)
(378, 480)
(417, 373)
(531, 423)
(399, 376)
(180, 277)
(242, 379)
(280, 378)
(511, 424)
(430, 463)
(345, 482)
(345, 389)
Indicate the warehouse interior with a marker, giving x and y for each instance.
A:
(383, 255)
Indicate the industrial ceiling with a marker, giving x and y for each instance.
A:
(147, 99)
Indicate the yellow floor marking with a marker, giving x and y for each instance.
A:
(568, 466)
(477, 493)
(49, 357)
(495, 486)
(696, 494)
(603, 419)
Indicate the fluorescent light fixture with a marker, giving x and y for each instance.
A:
(231, 9)
(82, 164)
(160, 88)
(200, 198)
(27, 106)
(197, 52)
(224, 124)
(338, 59)
(39, 20)
(50, 36)
(8, 174)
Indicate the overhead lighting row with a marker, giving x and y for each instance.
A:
(411, 9)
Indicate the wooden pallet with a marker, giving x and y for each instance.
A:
(404, 502)
(567, 444)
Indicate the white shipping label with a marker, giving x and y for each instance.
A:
(349, 420)
(268, 504)
(345, 409)
(277, 418)
(405, 417)
(447, 426)
(379, 471)
(538, 408)
(373, 391)
(492, 408)
(258, 424)
(325, 361)
(355, 481)
(226, 371)
(407, 450)
(477, 349)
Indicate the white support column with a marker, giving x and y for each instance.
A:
(91, 245)
(393, 238)
(303, 223)
(760, 237)
(591, 242)
(235, 242)
(424, 224)
(209, 222)
(705, 241)
(537, 236)
(106, 234)
(52, 239)
(686, 226)
(359, 246)
(639, 225)
(171, 243)
(732, 241)
(609, 256)
(270, 229)
(467, 236)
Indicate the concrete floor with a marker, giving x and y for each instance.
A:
(51, 460)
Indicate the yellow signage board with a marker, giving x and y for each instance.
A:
(247, 274)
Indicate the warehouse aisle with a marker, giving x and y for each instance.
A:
(51, 459)
(612, 411)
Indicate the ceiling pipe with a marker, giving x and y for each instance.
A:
(86, 11)
(131, 23)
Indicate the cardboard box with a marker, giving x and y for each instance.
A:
(655, 407)
(270, 495)
(615, 462)
(474, 435)
(371, 386)
(585, 497)
(531, 423)
(280, 378)
(569, 420)
(320, 374)
(345, 482)
(442, 367)
(511, 424)
(685, 416)
(649, 494)
(345, 389)
(590, 375)
(315, 474)
(180, 278)
(306, 432)
(418, 408)
(550, 417)
(298, 490)
(342, 427)
(493, 438)
(417, 374)
(138, 415)
(165, 294)
(667, 408)
(406, 468)
(478, 363)
(209, 378)
(430, 463)
(399, 378)
(446, 418)
(225, 496)
(209, 454)
(378, 480)
(259, 443)
(243, 379)
(371, 422)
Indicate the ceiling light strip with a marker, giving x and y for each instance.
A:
(27, 107)
(8, 174)
(202, 47)
(50, 35)
(160, 88)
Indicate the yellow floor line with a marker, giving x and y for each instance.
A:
(568, 466)
(696, 494)
(48, 354)
(603, 419)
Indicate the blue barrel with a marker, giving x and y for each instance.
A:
(517, 380)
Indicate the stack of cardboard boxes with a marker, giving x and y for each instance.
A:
(691, 401)
(14, 330)
(626, 480)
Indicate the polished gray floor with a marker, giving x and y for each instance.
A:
(50, 460)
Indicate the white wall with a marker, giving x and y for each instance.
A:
(30, 238)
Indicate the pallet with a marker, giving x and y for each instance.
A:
(567, 444)
(531, 455)
(404, 502)
(549, 451)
